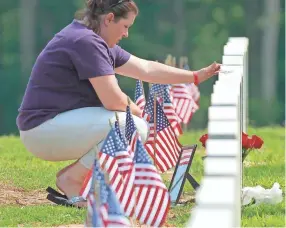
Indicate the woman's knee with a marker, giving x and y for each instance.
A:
(142, 128)
(141, 125)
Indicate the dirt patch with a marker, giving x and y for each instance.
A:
(10, 195)
(187, 198)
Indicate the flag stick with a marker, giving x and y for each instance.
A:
(142, 86)
(110, 124)
(117, 117)
(155, 129)
(97, 196)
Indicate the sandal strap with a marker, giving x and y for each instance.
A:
(76, 199)
(55, 192)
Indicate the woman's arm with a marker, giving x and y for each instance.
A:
(155, 72)
(111, 96)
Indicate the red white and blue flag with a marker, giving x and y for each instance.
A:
(163, 92)
(140, 100)
(104, 209)
(162, 143)
(152, 196)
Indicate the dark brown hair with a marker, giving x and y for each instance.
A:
(96, 8)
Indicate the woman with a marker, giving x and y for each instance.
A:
(73, 92)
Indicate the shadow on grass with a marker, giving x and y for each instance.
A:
(263, 210)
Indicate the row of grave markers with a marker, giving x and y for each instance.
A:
(218, 199)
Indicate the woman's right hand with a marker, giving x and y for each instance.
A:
(209, 71)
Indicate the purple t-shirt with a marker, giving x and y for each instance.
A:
(59, 79)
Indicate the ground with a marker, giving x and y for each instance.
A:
(10, 195)
(24, 178)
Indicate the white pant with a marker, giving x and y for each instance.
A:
(76, 134)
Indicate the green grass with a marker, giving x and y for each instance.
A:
(19, 169)
(39, 216)
(268, 168)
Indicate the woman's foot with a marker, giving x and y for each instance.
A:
(70, 180)
(62, 171)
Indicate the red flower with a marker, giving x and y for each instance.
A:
(256, 142)
(248, 143)
(203, 139)
(245, 141)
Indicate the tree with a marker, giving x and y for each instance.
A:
(269, 47)
(27, 33)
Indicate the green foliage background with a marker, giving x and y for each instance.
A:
(204, 25)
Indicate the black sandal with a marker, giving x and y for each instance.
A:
(55, 193)
(64, 201)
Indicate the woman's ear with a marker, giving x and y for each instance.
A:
(108, 18)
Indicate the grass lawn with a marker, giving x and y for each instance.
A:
(24, 178)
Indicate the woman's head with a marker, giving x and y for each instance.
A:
(110, 19)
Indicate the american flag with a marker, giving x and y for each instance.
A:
(130, 130)
(132, 136)
(172, 116)
(123, 157)
(123, 144)
(139, 95)
(146, 114)
(183, 102)
(194, 90)
(163, 91)
(109, 163)
(119, 132)
(152, 196)
(186, 156)
(185, 98)
(115, 214)
(93, 218)
(126, 167)
(162, 145)
(108, 212)
(158, 90)
(114, 158)
(84, 191)
(123, 138)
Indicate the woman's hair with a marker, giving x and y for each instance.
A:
(94, 9)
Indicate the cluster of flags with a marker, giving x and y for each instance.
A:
(167, 107)
(124, 183)
(125, 180)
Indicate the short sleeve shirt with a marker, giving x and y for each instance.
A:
(59, 79)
